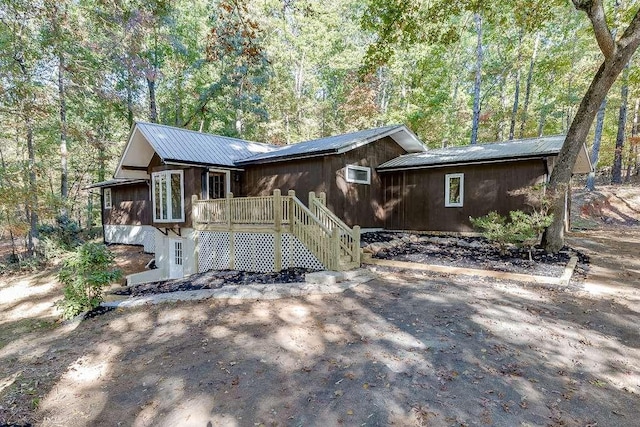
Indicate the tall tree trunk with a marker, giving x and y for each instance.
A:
(503, 105)
(64, 173)
(616, 172)
(516, 95)
(514, 110)
(527, 92)
(478, 80)
(561, 176)
(32, 207)
(595, 150)
(153, 111)
(633, 143)
(129, 99)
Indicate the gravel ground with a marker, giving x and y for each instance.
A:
(474, 252)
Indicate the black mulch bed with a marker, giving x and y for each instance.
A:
(213, 280)
(476, 252)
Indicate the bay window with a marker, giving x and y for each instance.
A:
(168, 196)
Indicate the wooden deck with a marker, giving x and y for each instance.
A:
(336, 245)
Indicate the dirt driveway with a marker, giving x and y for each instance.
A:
(423, 350)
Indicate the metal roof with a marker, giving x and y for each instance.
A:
(478, 153)
(182, 145)
(113, 182)
(339, 144)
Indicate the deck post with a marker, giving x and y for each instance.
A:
(312, 197)
(335, 249)
(277, 222)
(292, 194)
(195, 215)
(232, 237)
(323, 198)
(356, 245)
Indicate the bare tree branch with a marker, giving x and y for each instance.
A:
(595, 12)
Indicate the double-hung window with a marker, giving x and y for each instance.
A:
(168, 196)
(358, 174)
(453, 190)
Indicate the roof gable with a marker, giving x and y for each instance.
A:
(339, 144)
(176, 145)
(484, 153)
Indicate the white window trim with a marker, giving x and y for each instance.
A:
(360, 168)
(107, 191)
(227, 181)
(170, 214)
(447, 189)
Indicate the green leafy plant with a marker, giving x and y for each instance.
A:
(519, 228)
(84, 275)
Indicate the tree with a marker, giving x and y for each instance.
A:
(617, 54)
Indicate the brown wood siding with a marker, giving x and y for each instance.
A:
(356, 204)
(414, 199)
(131, 205)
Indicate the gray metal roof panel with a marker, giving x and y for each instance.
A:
(188, 146)
(478, 153)
(314, 147)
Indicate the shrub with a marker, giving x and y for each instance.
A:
(521, 229)
(84, 275)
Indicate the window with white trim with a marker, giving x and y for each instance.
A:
(453, 190)
(168, 196)
(108, 204)
(358, 174)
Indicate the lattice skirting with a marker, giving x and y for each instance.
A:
(131, 235)
(252, 252)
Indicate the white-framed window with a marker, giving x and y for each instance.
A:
(218, 183)
(453, 190)
(358, 174)
(108, 204)
(168, 196)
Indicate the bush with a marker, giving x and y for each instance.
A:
(84, 275)
(521, 229)
(65, 235)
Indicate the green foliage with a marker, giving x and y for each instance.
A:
(520, 228)
(84, 275)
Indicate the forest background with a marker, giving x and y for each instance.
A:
(75, 75)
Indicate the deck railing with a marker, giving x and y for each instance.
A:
(335, 245)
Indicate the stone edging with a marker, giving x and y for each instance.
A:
(325, 283)
(562, 281)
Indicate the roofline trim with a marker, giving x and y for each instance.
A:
(342, 150)
(204, 165)
(490, 161)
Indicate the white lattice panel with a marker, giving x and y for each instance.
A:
(213, 251)
(254, 252)
(149, 240)
(244, 250)
(302, 257)
(264, 256)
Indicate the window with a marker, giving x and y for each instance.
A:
(218, 184)
(453, 190)
(168, 196)
(358, 174)
(107, 198)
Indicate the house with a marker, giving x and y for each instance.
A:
(203, 201)
(439, 190)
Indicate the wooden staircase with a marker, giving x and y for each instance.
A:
(327, 237)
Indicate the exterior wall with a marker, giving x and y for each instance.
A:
(130, 205)
(356, 204)
(414, 199)
(251, 252)
(131, 235)
(162, 242)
